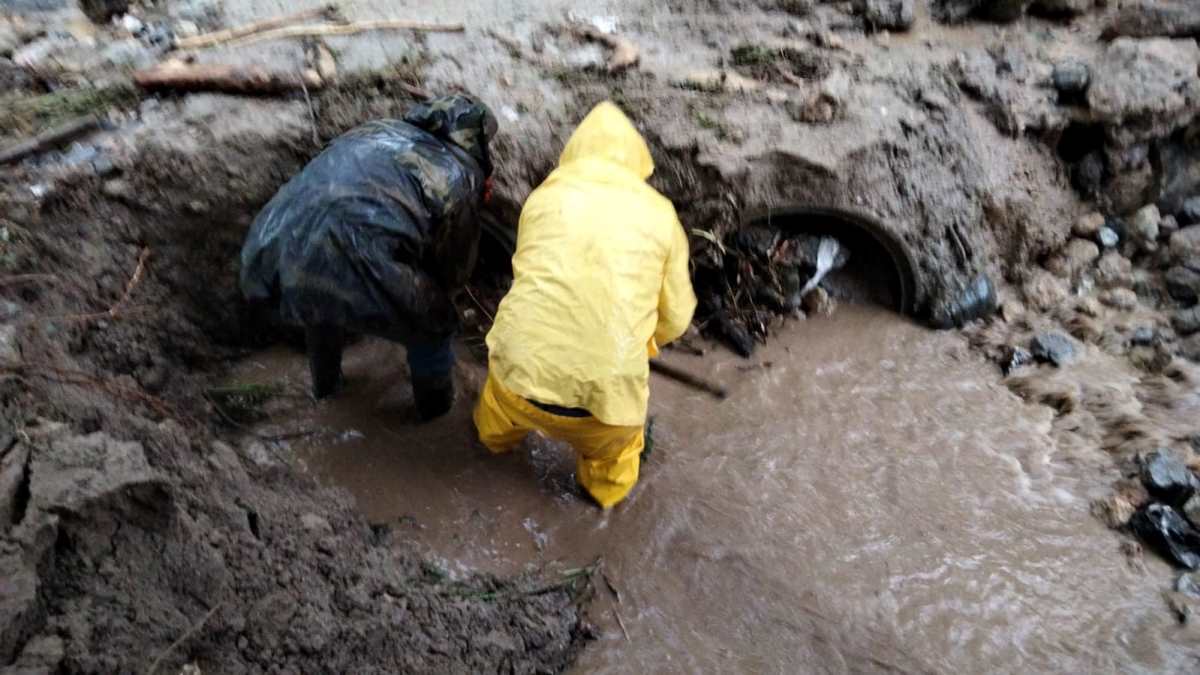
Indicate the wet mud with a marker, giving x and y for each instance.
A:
(870, 498)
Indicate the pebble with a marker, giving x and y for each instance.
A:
(1108, 237)
(1187, 321)
(132, 24)
(1054, 348)
(1143, 336)
(1071, 77)
(1119, 298)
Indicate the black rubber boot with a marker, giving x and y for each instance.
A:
(324, 345)
(434, 396)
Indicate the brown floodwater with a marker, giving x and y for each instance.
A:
(869, 498)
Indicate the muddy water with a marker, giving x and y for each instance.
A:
(870, 498)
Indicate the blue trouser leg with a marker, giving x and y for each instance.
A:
(431, 365)
(433, 359)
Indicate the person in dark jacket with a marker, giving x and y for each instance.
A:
(374, 236)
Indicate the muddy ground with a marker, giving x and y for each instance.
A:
(140, 518)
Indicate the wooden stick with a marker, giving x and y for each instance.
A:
(230, 34)
(686, 378)
(348, 29)
(50, 138)
(231, 79)
(115, 310)
(183, 638)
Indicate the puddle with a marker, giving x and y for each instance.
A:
(869, 498)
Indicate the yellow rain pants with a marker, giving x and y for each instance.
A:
(607, 458)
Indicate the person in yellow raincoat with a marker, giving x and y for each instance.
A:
(600, 282)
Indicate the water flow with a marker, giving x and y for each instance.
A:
(868, 499)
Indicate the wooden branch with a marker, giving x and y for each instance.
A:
(230, 79)
(50, 138)
(115, 310)
(325, 29)
(229, 34)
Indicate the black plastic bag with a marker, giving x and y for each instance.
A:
(378, 229)
(1169, 533)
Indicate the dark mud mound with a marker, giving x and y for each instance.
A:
(132, 538)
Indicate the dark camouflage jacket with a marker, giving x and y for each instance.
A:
(377, 231)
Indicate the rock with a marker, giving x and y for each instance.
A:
(1169, 533)
(1054, 348)
(1043, 291)
(101, 11)
(129, 53)
(1153, 18)
(1062, 8)
(1088, 175)
(1108, 237)
(117, 188)
(1183, 284)
(1077, 256)
(1088, 225)
(1071, 78)
(1189, 213)
(1114, 511)
(1119, 298)
(1145, 89)
(9, 40)
(132, 24)
(81, 470)
(1143, 336)
(886, 14)
(1191, 508)
(14, 471)
(187, 29)
(43, 654)
(818, 301)
(1168, 478)
(1189, 347)
(1185, 244)
(258, 454)
(1014, 358)
(314, 523)
(1144, 224)
(1187, 321)
(1114, 271)
(1167, 227)
(976, 301)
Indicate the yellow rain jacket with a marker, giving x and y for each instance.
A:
(600, 279)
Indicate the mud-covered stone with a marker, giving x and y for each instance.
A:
(1053, 347)
(1088, 225)
(1119, 298)
(1114, 270)
(1144, 224)
(1187, 321)
(1114, 511)
(1044, 291)
(1145, 89)
(886, 14)
(1078, 255)
(1185, 244)
(1168, 478)
(1183, 284)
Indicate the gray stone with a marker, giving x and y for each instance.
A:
(886, 14)
(314, 523)
(1077, 256)
(1053, 347)
(1071, 78)
(1108, 237)
(1187, 321)
(1185, 244)
(1114, 271)
(1189, 213)
(1183, 284)
(80, 470)
(1143, 336)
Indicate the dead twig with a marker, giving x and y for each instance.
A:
(115, 310)
(312, 112)
(184, 638)
(621, 623)
(50, 138)
(789, 76)
(229, 34)
(231, 79)
(314, 30)
(17, 279)
(478, 304)
(415, 91)
(624, 55)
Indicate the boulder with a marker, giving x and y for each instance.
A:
(1053, 347)
(1145, 89)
